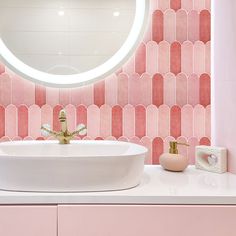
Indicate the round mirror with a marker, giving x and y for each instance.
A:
(69, 43)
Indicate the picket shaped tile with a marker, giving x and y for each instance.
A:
(162, 93)
(129, 121)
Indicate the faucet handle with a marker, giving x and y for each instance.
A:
(45, 129)
(81, 129)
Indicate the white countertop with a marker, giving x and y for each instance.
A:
(157, 187)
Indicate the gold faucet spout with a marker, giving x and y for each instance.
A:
(64, 136)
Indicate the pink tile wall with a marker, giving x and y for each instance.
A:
(161, 94)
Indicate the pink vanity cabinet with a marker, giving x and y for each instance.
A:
(117, 220)
(146, 220)
(28, 220)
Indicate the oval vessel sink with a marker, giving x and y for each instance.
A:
(46, 166)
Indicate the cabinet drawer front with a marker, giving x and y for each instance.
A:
(146, 220)
(28, 220)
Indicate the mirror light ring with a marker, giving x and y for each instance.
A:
(101, 71)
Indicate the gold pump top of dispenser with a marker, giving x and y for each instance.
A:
(174, 147)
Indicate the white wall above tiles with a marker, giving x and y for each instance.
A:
(65, 37)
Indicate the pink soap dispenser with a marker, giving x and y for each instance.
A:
(173, 161)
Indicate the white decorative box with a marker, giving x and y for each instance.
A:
(213, 159)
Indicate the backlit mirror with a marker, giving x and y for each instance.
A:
(69, 43)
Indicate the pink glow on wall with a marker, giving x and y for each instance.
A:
(224, 86)
(162, 93)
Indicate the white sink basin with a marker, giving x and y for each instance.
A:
(46, 166)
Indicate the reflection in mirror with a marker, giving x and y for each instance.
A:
(68, 36)
(68, 43)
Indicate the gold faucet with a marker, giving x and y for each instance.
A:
(64, 136)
